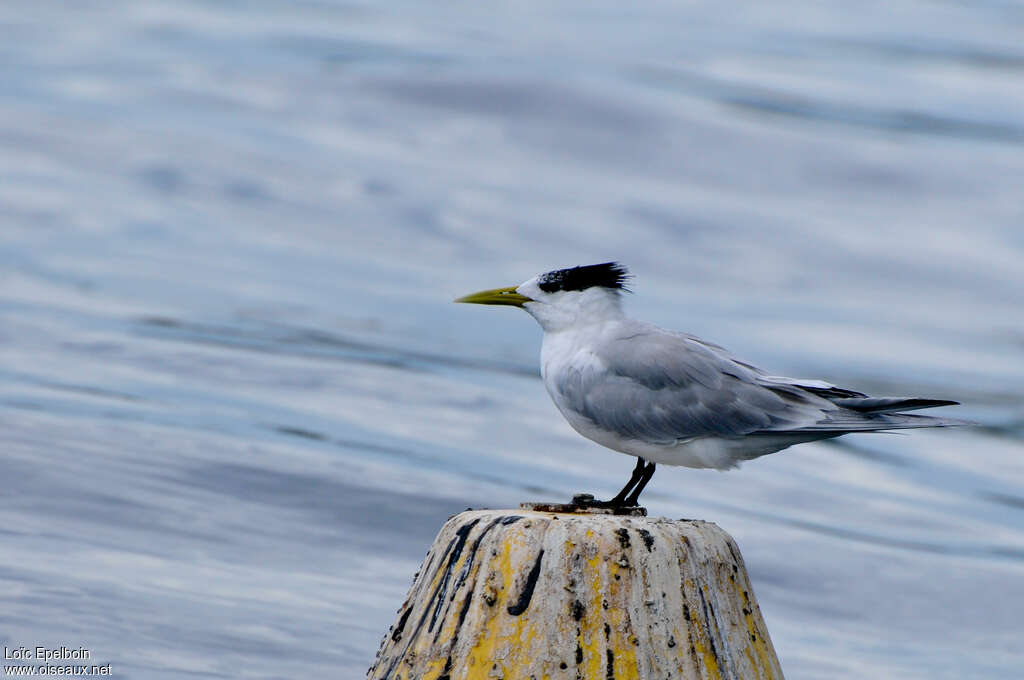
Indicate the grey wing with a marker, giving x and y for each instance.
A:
(663, 387)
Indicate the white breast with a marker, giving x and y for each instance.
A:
(568, 351)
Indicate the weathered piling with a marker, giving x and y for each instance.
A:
(509, 594)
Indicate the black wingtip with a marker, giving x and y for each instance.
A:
(932, 403)
(891, 404)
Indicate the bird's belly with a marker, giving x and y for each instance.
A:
(718, 453)
(699, 452)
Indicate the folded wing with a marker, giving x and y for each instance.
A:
(662, 387)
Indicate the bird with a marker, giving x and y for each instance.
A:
(670, 398)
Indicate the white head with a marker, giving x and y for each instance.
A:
(564, 298)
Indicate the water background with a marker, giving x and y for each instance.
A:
(236, 402)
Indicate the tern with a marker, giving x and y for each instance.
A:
(672, 398)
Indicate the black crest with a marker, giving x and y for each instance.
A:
(607, 275)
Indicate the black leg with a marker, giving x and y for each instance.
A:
(620, 497)
(641, 475)
(634, 498)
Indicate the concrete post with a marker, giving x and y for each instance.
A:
(522, 594)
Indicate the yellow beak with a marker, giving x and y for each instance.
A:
(498, 296)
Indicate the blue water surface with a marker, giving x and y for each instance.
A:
(236, 402)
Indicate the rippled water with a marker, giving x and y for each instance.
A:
(236, 402)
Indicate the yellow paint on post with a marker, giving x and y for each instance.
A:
(530, 595)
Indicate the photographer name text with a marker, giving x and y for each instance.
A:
(47, 654)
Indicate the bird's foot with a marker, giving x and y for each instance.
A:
(585, 504)
(586, 501)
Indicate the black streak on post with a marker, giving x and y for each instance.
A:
(610, 669)
(531, 582)
(709, 614)
(462, 579)
(451, 553)
(735, 555)
(648, 539)
(453, 556)
(396, 634)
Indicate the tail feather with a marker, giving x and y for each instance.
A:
(880, 422)
(873, 414)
